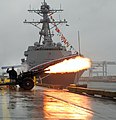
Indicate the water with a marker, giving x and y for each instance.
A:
(110, 86)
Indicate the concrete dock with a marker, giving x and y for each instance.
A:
(92, 92)
(49, 104)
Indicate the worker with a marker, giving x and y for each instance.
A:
(12, 74)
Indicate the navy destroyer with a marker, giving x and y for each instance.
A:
(46, 50)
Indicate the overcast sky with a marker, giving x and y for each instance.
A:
(95, 19)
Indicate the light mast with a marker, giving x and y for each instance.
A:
(45, 32)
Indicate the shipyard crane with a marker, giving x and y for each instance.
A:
(103, 65)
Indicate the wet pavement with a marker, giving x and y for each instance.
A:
(49, 104)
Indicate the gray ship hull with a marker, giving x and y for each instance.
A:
(64, 79)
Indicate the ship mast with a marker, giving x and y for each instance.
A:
(45, 32)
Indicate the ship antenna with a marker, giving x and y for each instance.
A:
(79, 43)
(60, 6)
(30, 6)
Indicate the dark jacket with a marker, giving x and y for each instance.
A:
(12, 74)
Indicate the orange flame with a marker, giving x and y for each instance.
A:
(71, 65)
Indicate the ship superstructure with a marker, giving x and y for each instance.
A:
(45, 49)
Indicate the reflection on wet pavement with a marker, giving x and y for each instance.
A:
(48, 104)
(63, 107)
(62, 110)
